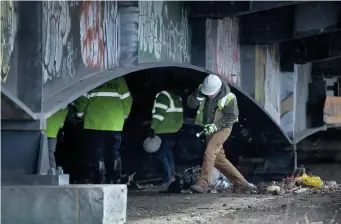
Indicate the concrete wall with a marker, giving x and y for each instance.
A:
(8, 44)
(288, 90)
(247, 67)
(222, 48)
(272, 83)
(163, 32)
(284, 95)
(267, 80)
(301, 96)
(78, 38)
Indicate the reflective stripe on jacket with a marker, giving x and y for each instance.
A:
(55, 122)
(106, 107)
(221, 104)
(167, 114)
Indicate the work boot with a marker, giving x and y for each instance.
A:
(197, 188)
(115, 173)
(163, 188)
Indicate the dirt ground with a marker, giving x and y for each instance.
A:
(160, 208)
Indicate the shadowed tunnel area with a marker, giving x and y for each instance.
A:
(255, 137)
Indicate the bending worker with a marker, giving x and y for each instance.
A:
(53, 124)
(167, 120)
(217, 112)
(104, 110)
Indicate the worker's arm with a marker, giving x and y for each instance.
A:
(231, 113)
(193, 100)
(161, 105)
(126, 97)
(81, 104)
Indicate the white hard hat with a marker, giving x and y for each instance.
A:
(152, 145)
(211, 85)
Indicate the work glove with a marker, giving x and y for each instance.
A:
(151, 133)
(200, 96)
(210, 129)
(80, 115)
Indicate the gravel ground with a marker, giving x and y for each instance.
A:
(159, 208)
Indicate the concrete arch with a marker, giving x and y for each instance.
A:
(300, 136)
(76, 89)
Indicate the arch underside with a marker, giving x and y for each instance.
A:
(252, 117)
(300, 136)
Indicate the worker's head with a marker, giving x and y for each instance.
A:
(211, 86)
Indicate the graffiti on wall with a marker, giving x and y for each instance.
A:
(8, 32)
(99, 33)
(287, 102)
(163, 31)
(57, 44)
(272, 84)
(222, 48)
(129, 36)
(267, 82)
(260, 62)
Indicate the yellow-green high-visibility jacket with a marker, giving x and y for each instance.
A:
(227, 109)
(105, 107)
(167, 113)
(55, 122)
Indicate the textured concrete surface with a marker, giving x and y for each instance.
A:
(76, 204)
(229, 208)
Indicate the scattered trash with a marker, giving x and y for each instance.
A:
(274, 189)
(218, 182)
(294, 184)
(309, 181)
(300, 190)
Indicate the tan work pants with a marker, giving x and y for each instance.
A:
(215, 157)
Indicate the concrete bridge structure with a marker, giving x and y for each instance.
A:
(281, 58)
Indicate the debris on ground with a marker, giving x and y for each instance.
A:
(309, 181)
(288, 201)
(218, 182)
(274, 189)
(301, 184)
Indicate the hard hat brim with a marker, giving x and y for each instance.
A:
(209, 93)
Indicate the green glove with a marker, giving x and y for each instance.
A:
(210, 129)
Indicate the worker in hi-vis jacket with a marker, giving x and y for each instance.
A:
(104, 110)
(217, 112)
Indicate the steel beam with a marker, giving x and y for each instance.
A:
(329, 67)
(221, 9)
(291, 22)
(267, 27)
(312, 49)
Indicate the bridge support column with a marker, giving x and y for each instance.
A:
(22, 124)
(86, 204)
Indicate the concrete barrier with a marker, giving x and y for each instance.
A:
(72, 204)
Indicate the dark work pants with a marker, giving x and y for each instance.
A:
(104, 147)
(165, 156)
